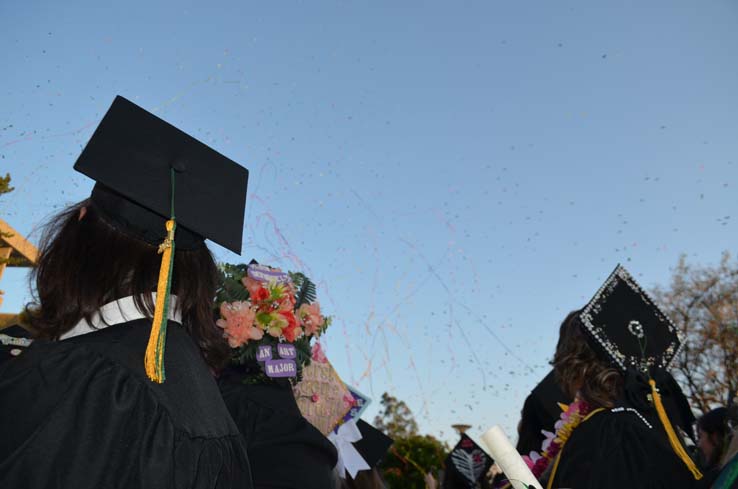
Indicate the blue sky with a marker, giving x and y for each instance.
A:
(456, 176)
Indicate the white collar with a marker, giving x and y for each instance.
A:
(119, 311)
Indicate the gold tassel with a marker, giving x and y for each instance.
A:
(673, 439)
(154, 359)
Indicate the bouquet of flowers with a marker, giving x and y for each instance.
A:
(269, 317)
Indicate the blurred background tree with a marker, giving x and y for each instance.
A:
(703, 303)
(412, 455)
(395, 419)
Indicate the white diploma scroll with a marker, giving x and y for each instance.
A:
(508, 459)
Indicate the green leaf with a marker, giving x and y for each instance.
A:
(306, 292)
(230, 287)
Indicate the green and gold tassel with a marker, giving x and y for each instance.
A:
(154, 358)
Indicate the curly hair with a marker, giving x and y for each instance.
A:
(85, 263)
(579, 370)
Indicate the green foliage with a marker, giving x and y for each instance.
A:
(327, 321)
(5, 184)
(304, 354)
(4, 189)
(409, 459)
(395, 419)
(230, 288)
(306, 293)
(412, 455)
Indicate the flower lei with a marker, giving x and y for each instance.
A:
(264, 306)
(570, 418)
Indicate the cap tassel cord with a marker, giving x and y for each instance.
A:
(154, 359)
(673, 439)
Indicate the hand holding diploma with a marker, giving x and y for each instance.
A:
(509, 460)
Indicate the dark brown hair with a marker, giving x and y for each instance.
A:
(86, 263)
(578, 368)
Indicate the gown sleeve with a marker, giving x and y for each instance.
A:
(616, 450)
(71, 417)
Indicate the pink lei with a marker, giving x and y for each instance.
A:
(572, 415)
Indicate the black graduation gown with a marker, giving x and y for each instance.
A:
(617, 450)
(285, 450)
(81, 413)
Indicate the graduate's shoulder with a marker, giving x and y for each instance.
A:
(111, 360)
(620, 447)
(72, 413)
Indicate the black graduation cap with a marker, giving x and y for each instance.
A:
(628, 327)
(468, 463)
(373, 445)
(131, 156)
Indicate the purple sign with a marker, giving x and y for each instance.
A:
(286, 350)
(264, 353)
(265, 274)
(280, 368)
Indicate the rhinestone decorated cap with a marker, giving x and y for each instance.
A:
(627, 327)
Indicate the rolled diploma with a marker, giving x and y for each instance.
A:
(508, 459)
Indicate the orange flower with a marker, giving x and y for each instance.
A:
(237, 321)
(251, 285)
(260, 295)
(292, 333)
(310, 318)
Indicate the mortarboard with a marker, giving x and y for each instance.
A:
(629, 330)
(373, 445)
(131, 156)
(627, 327)
(158, 184)
(468, 462)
